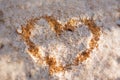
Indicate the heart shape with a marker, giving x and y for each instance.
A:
(36, 53)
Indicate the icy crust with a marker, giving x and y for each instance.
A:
(64, 47)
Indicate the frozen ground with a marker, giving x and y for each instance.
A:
(17, 64)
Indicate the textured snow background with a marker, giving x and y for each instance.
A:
(16, 64)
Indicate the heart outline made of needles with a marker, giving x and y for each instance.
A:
(34, 50)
